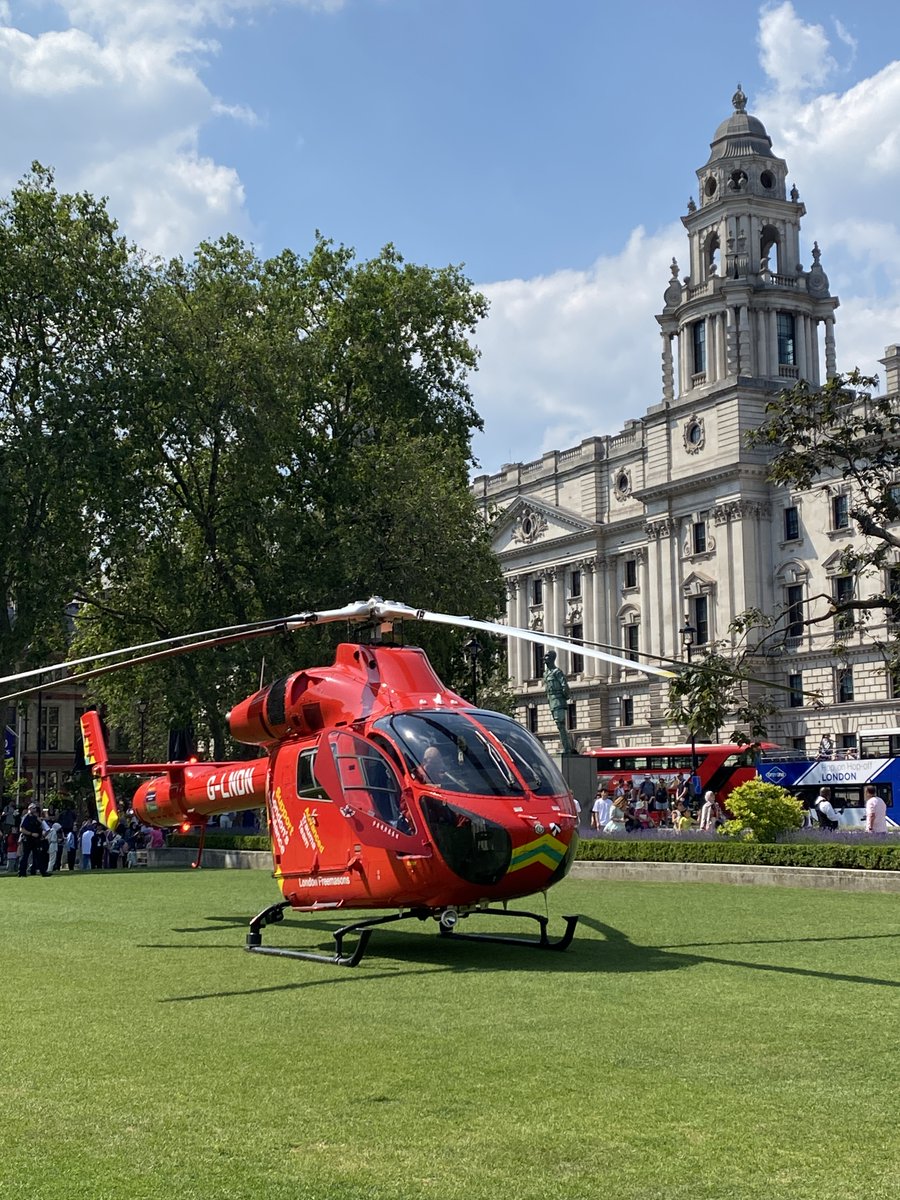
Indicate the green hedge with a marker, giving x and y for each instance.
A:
(788, 854)
(222, 841)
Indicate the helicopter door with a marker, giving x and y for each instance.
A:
(298, 805)
(359, 777)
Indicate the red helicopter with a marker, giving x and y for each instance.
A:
(383, 789)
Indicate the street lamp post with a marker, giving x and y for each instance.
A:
(472, 650)
(688, 633)
(142, 714)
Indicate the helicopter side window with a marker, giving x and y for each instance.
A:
(307, 784)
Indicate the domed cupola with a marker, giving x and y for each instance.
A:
(741, 159)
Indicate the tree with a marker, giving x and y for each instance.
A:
(297, 436)
(843, 433)
(72, 290)
(724, 687)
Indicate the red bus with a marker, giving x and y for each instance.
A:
(720, 767)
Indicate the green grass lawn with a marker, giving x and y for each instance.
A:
(696, 1041)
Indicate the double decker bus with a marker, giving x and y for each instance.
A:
(721, 767)
(846, 772)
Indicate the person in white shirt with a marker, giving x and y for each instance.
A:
(710, 812)
(52, 831)
(87, 842)
(602, 810)
(876, 812)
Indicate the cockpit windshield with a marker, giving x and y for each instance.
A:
(450, 751)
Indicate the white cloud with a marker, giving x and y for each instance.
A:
(793, 54)
(115, 103)
(573, 354)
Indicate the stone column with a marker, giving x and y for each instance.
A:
(523, 659)
(745, 339)
(802, 341)
(600, 608)
(512, 644)
(830, 357)
(553, 613)
(668, 375)
(772, 321)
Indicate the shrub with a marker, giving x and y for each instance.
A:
(762, 811)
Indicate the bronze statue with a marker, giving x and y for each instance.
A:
(558, 697)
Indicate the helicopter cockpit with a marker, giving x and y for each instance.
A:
(458, 752)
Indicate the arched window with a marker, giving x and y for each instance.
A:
(770, 248)
(711, 256)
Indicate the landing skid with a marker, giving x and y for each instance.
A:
(447, 920)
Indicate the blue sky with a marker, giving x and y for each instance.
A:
(548, 145)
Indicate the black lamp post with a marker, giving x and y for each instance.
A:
(142, 707)
(472, 650)
(688, 633)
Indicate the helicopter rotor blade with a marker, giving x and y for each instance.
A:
(49, 685)
(372, 610)
(404, 612)
(276, 624)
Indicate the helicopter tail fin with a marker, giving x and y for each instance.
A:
(95, 755)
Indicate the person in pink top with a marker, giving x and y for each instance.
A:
(876, 812)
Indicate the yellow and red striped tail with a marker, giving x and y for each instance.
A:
(95, 757)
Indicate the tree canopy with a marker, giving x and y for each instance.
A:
(71, 298)
(232, 438)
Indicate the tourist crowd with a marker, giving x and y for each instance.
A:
(38, 841)
(623, 806)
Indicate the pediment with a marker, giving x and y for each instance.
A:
(529, 522)
(696, 584)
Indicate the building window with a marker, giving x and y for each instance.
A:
(578, 659)
(845, 685)
(792, 523)
(698, 537)
(699, 337)
(700, 619)
(843, 593)
(893, 679)
(786, 342)
(575, 583)
(848, 742)
(799, 744)
(840, 511)
(49, 733)
(795, 683)
(537, 591)
(794, 609)
(627, 710)
(631, 572)
(632, 634)
(532, 714)
(537, 652)
(571, 715)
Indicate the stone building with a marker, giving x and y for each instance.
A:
(624, 540)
